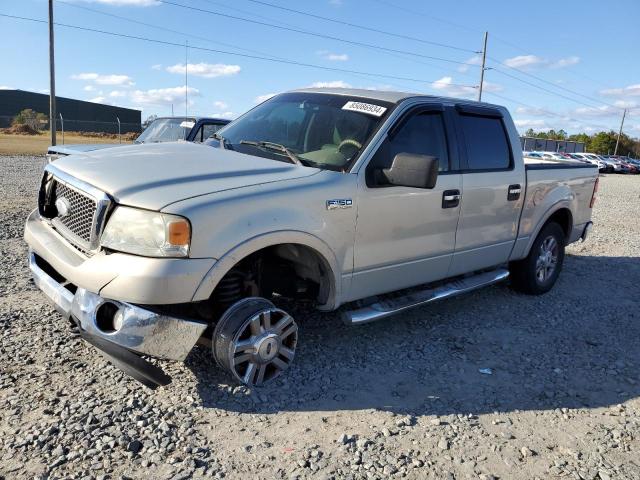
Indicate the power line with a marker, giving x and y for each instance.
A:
(223, 52)
(166, 29)
(313, 34)
(478, 30)
(215, 42)
(551, 92)
(599, 102)
(548, 112)
(362, 27)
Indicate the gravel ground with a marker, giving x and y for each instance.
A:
(398, 398)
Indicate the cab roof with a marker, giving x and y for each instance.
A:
(390, 96)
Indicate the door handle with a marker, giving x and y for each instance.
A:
(514, 192)
(451, 198)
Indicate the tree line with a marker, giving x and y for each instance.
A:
(603, 143)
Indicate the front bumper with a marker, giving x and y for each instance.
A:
(133, 330)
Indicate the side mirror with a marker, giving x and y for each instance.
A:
(409, 170)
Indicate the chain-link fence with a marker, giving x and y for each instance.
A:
(70, 130)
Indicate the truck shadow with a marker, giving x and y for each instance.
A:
(575, 347)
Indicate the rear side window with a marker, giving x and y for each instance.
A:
(487, 144)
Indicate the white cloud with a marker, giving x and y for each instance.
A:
(603, 111)
(162, 96)
(525, 124)
(220, 105)
(89, 88)
(97, 100)
(4, 87)
(533, 111)
(631, 90)
(264, 98)
(331, 84)
(532, 61)
(229, 115)
(157, 66)
(475, 60)
(522, 61)
(118, 94)
(333, 57)
(445, 85)
(565, 62)
(206, 70)
(104, 79)
(125, 3)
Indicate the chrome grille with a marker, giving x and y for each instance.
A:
(75, 209)
(82, 209)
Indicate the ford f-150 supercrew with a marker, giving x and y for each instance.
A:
(374, 202)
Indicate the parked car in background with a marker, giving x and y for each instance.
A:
(163, 129)
(593, 159)
(377, 201)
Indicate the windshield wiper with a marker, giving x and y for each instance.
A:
(275, 146)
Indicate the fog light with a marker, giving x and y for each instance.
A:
(109, 317)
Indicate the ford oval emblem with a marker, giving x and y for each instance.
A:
(63, 207)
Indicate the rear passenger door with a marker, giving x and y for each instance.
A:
(492, 190)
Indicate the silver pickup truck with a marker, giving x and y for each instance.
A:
(371, 202)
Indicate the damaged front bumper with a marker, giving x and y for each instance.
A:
(121, 331)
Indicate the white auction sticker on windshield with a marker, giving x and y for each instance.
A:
(187, 124)
(375, 110)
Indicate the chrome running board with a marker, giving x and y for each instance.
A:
(387, 307)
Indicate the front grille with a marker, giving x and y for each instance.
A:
(75, 209)
(79, 218)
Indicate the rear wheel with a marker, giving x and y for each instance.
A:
(538, 272)
(255, 341)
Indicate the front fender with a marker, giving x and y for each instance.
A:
(232, 257)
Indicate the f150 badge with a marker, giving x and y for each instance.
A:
(339, 203)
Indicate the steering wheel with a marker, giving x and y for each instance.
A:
(349, 142)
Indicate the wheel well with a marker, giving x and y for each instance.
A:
(563, 218)
(288, 270)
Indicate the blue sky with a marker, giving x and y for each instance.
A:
(575, 62)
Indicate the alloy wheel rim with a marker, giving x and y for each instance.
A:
(547, 260)
(263, 347)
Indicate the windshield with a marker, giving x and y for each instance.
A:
(166, 130)
(321, 130)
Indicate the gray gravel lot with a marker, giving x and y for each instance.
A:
(398, 398)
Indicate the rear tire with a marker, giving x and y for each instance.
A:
(537, 273)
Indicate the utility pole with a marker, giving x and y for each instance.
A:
(484, 60)
(52, 79)
(186, 84)
(624, 113)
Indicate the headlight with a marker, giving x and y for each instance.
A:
(151, 234)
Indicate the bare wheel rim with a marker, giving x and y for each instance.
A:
(547, 260)
(263, 347)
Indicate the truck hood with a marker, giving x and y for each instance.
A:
(156, 175)
(80, 148)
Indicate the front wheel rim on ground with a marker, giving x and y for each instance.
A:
(259, 347)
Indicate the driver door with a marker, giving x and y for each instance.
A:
(405, 236)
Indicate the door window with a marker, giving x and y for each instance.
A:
(487, 144)
(422, 134)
